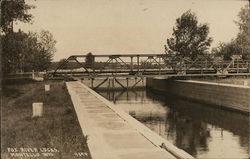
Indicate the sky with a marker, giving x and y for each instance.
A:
(126, 26)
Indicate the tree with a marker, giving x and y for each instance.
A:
(62, 63)
(189, 39)
(46, 49)
(13, 10)
(243, 37)
(226, 50)
(13, 51)
(89, 60)
(12, 43)
(27, 51)
(241, 44)
(23, 51)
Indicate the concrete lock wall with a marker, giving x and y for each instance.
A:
(227, 95)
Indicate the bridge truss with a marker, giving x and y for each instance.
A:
(151, 65)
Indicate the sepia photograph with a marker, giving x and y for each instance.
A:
(125, 79)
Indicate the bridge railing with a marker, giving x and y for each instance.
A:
(158, 64)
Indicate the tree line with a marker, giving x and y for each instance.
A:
(27, 51)
(190, 39)
(23, 51)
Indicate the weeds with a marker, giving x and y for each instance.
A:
(58, 128)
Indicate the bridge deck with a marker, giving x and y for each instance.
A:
(79, 74)
(112, 133)
(150, 65)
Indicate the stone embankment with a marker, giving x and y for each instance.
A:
(235, 97)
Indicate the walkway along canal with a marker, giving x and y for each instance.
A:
(202, 130)
(114, 134)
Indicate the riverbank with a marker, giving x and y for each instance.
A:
(56, 134)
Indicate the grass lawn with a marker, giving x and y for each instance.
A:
(57, 134)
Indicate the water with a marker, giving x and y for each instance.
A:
(201, 130)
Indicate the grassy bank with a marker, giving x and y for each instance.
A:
(57, 134)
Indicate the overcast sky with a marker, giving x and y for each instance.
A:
(126, 26)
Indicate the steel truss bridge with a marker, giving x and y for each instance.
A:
(150, 65)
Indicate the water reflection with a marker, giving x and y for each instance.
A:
(201, 130)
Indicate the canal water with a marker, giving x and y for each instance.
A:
(201, 130)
